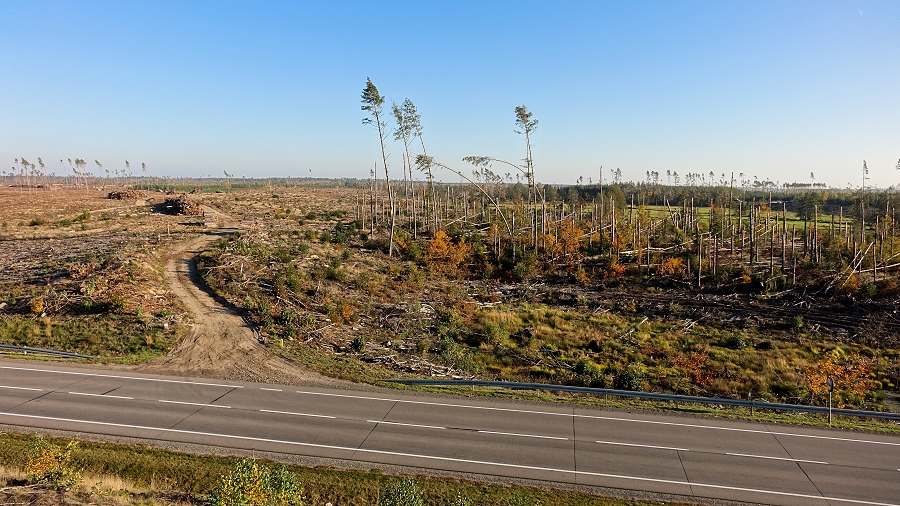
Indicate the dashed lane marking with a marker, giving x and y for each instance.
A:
(464, 461)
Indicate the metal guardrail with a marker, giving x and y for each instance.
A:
(655, 396)
(42, 351)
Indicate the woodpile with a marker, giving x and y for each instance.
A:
(126, 195)
(181, 205)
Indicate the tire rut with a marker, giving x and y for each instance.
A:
(219, 343)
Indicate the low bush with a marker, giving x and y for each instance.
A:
(403, 493)
(250, 483)
(50, 463)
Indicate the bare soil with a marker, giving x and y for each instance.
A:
(220, 343)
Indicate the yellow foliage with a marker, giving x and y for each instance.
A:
(551, 246)
(444, 254)
(570, 239)
(615, 270)
(582, 276)
(51, 464)
(851, 286)
(672, 266)
(253, 484)
(37, 305)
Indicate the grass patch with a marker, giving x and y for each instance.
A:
(115, 337)
(165, 470)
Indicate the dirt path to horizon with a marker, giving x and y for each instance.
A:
(220, 344)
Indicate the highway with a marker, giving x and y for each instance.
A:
(695, 457)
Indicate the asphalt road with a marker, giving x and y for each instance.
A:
(769, 464)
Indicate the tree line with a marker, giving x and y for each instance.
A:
(717, 229)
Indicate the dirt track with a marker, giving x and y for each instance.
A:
(219, 344)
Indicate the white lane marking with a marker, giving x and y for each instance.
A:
(550, 413)
(643, 446)
(102, 395)
(297, 414)
(599, 417)
(271, 389)
(450, 459)
(776, 458)
(22, 388)
(407, 424)
(521, 435)
(120, 377)
(197, 404)
(697, 426)
(427, 403)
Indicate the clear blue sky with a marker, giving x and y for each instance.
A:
(773, 89)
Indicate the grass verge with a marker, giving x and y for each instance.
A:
(155, 476)
(671, 407)
(117, 338)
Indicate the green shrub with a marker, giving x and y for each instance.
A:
(287, 317)
(36, 221)
(415, 249)
(282, 255)
(629, 378)
(526, 266)
(335, 272)
(588, 368)
(868, 290)
(404, 493)
(495, 333)
(735, 341)
(358, 343)
(65, 222)
(250, 483)
(461, 501)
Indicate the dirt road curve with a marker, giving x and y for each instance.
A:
(219, 344)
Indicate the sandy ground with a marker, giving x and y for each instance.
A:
(220, 344)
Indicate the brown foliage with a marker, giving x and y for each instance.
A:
(694, 365)
(852, 375)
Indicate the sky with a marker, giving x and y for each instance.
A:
(771, 89)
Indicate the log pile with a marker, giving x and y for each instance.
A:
(181, 205)
(126, 195)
